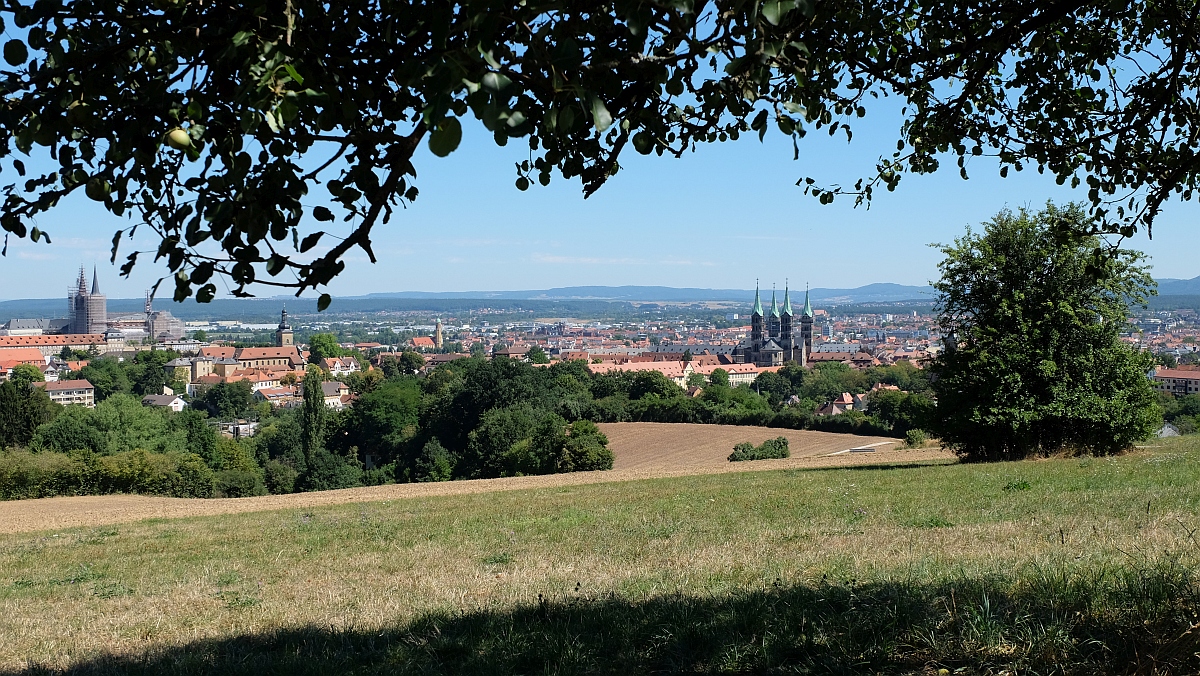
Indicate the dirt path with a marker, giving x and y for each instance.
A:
(642, 451)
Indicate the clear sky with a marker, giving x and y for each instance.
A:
(720, 218)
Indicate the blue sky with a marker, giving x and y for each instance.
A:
(721, 217)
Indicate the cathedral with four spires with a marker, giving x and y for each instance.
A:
(773, 337)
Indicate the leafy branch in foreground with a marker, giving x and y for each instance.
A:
(209, 122)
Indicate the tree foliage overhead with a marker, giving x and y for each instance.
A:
(233, 131)
(1033, 361)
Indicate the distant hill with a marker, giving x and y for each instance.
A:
(863, 294)
(1179, 287)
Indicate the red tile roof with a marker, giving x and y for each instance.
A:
(55, 341)
(65, 385)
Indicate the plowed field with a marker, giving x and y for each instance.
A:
(642, 451)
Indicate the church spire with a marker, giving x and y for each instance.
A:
(82, 282)
(787, 300)
(774, 305)
(807, 305)
(95, 282)
(757, 303)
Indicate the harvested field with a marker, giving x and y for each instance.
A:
(665, 447)
(642, 450)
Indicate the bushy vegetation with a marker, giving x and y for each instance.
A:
(24, 474)
(1033, 362)
(472, 418)
(771, 448)
(1183, 412)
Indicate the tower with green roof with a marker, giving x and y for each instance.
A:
(785, 326)
(806, 324)
(756, 319)
(773, 318)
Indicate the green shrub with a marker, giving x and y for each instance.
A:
(586, 447)
(771, 448)
(280, 477)
(38, 475)
(435, 463)
(238, 483)
(327, 472)
(915, 438)
(380, 476)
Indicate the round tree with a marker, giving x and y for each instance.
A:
(1031, 311)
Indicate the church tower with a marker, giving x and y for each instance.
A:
(283, 334)
(756, 322)
(785, 326)
(437, 334)
(806, 324)
(773, 319)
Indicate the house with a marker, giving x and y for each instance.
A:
(340, 366)
(1168, 430)
(512, 352)
(739, 374)
(171, 401)
(1178, 382)
(337, 395)
(280, 397)
(67, 392)
(838, 406)
(422, 343)
(258, 357)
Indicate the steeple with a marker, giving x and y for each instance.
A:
(757, 303)
(82, 282)
(774, 305)
(787, 300)
(283, 319)
(95, 282)
(807, 312)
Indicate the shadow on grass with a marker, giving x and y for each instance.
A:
(916, 464)
(1129, 621)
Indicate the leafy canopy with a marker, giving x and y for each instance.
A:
(1033, 360)
(241, 134)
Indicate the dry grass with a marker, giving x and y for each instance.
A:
(380, 573)
(641, 450)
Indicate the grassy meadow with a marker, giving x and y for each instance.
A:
(1053, 566)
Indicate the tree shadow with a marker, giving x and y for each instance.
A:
(1136, 621)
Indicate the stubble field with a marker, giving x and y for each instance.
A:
(641, 451)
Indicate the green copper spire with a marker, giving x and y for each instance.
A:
(787, 301)
(757, 303)
(807, 305)
(774, 305)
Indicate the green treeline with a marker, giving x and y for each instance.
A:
(472, 418)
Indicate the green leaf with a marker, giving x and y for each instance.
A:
(600, 115)
(495, 82)
(275, 264)
(445, 137)
(206, 293)
(242, 38)
(773, 11)
(323, 302)
(291, 70)
(643, 142)
(15, 53)
(311, 240)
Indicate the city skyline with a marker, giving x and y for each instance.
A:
(704, 221)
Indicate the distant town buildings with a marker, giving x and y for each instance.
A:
(88, 325)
